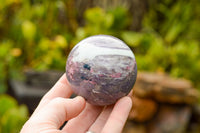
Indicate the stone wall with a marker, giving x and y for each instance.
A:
(162, 104)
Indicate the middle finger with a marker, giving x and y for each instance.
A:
(84, 120)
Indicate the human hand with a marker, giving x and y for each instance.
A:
(56, 107)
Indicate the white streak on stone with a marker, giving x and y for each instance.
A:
(87, 50)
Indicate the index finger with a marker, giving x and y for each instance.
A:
(60, 89)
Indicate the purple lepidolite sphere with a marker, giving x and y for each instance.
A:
(102, 69)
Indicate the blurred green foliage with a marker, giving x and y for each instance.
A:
(36, 34)
(173, 39)
(12, 116)
(39, 35)
(100, 21)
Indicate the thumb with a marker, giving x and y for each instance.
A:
(57, 111)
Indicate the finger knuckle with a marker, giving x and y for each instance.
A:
(58, 100)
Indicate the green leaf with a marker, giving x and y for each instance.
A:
(6, 103)
(28, 30)
(61, 41)
(13, 119)
(133, 39)
(173, 33)
(5, 49)
(94, 16)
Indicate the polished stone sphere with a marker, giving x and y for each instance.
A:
(102, 69)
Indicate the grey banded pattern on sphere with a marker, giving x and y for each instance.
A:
(102, 69)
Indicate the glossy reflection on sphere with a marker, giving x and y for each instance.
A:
(102, 69)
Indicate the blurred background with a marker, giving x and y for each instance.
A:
(36, 37)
